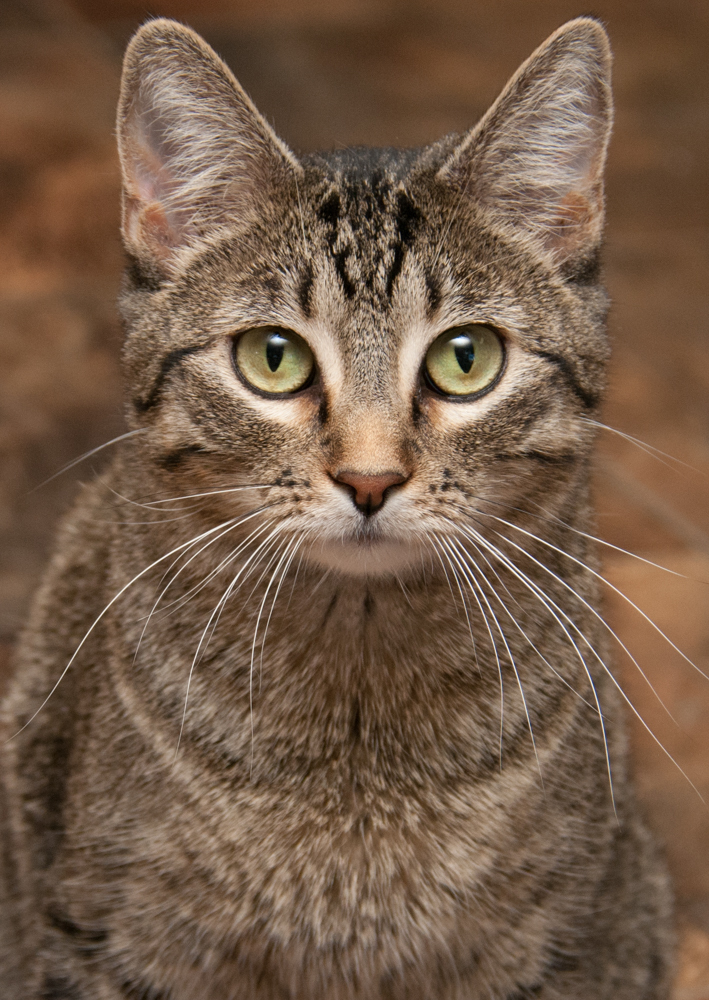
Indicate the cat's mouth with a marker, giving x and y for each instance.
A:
(366, 550)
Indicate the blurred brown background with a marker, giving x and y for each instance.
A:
(339, 72)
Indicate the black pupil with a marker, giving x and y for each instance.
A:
(464, 352)
(275, 346)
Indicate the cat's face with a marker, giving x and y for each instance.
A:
(377, 344)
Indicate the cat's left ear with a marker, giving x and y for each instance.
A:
(195, 152)
(535, 160)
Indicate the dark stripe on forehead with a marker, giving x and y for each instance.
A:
(407, 220)
(172, 360)
(330, 211)
(340, 258)
(433, 292)
(305, 289)
(589, 399)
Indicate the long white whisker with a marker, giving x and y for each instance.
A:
(210, 493)
(494, 648)
(88, 454)
(512, 618)
(273, 603)
(599, 576)
(596, 615)
(180, 602)
(110, 604)
(215, 614)
(263, 550)
(462, 597)
(472, 579)
(295, 577)
(649, 449)
(283, 556)
(552, 607)
(551, 519)
(494, 549)
(150, 614)
(226, 561)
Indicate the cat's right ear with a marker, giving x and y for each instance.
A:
(195, 153)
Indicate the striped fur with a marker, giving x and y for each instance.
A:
(305, 751)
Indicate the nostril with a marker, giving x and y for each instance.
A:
(369, 491)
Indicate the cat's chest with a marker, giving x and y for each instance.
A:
(352, 866)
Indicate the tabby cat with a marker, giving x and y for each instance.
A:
(313, 701)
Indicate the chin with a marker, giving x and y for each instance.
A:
(365, 557)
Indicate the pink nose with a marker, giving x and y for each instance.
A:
(369, 491)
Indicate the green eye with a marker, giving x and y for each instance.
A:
(274, 360)
(465, 360)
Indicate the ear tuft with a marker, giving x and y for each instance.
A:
(195, 152)
(535, 161)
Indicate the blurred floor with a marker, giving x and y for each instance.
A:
(327, 74)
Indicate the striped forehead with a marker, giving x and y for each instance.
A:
(363, 228)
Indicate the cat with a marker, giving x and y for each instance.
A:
(313, 700)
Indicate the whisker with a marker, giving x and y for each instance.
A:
(598, 576)
(295, 578)
(88, 454)
(404, 591)
(180, 602)
(531, 643)
(595, 613)
(215, 614)
(210, 493)
(598, 616)
(494, 649)
(147, 618)
(110, 604)
(273, 604)
(551, 519)
(470, 576)
(264, 550)
(137, 503)
(591, 648)
(253, 645)
(649, 449)
(462, 597)
(552, 607)
(233, 554)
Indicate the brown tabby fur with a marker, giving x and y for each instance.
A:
(331, 810)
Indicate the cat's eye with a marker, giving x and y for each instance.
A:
(274, 360)
(465, 360)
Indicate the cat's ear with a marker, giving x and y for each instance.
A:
(195, 153)
(535, 160)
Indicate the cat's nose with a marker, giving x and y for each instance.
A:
(369, 492)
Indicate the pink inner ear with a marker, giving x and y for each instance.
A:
(150, 222)
(148, 226)
(576, 220)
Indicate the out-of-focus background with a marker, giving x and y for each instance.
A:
(341, 72)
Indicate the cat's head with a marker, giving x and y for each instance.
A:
(377, 343)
